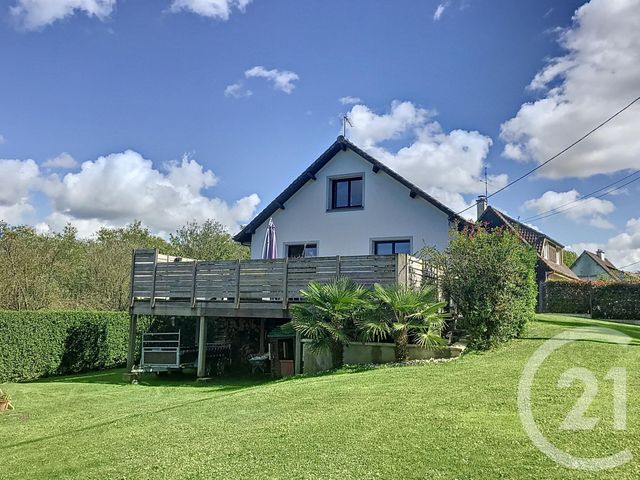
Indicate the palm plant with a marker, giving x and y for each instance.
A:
(327, 316)
(405, 313)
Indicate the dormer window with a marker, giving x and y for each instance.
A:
(346, 192)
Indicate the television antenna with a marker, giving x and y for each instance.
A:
(345, 122)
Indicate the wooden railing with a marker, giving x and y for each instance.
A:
(157, 277)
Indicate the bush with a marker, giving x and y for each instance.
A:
(566, 297)
(41, 343)
(616, 301)
(490, 277)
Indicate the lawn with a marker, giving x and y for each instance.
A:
(451, 420)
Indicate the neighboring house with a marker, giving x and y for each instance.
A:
(549, 265)
(595, 266)
(349, 203)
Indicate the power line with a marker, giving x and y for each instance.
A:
(589, 196)
(600, 125)
(630, 265)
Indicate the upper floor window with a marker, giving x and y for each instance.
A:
(302, 250)
(389, 247)
(552, 253)
(346, 193)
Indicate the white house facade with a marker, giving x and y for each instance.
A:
(348, 203)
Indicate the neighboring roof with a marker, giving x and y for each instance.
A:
(341, 144)
(532, 237)
(605, 264)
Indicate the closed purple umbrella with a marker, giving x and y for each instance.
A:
(270, 247)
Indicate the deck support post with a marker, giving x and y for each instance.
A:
(202, 347)
(297, 362)
(133, 332)
(262, 322)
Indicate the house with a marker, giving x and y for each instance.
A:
(348, 203)
(550, 265)
(595, 266)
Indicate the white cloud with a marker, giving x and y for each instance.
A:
(115, 189)
(36, 14)
(439, 11)
(15, 214)
(17, 179)
(588, 210)
(596, 77)
(237, 90)
(349, 100)
(120, 187)
(209, 8)
(622, 249)
(445, 164)
(282, 79)
(64, 160)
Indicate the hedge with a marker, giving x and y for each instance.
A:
(566, 297)
(36, 344)
(613, 300)
(617, 301)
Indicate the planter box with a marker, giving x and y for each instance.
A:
(372, 352)
(286, 368)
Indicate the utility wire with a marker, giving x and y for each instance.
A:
(588, 196)
(630, 265)
(524, 175)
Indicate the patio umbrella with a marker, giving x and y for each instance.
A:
(270, 247)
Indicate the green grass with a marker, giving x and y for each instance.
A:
(451, 420)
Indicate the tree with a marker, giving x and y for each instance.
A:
(405, 313)
(329, 314)
(207, 241)
(29, 263)
(490, 276)
(569, 257)
(109, 263)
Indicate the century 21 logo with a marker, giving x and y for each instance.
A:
(576, 419)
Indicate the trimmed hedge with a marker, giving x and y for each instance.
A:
(36, 344)
(566, 297)
(611, 300)
(617, 301)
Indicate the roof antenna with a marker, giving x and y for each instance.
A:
(486, 185)
(345, 121)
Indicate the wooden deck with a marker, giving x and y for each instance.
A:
(165, 285)
(162, 285)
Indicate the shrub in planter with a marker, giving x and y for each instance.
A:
(327, 317)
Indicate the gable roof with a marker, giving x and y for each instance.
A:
(533, 237)
(605, 264)
(341, 144)
(530, 236)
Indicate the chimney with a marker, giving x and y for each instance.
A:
(481, 205)
(600, 254)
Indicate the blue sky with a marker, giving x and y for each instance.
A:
(136, 88)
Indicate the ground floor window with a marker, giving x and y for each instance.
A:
(302, 250)
(389, 247)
